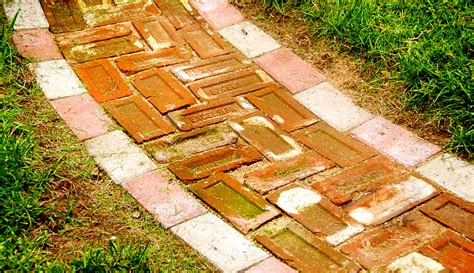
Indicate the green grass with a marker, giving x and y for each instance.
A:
(427, 46)
(58, 212)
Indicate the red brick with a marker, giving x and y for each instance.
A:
(244, 208)
(97, 43)
(383, 244)
(315, 212)
(210, 67)
(206, 43)
(175, 12)
(36, 44)
(452, 212)
(158, 32)
(230, 84)
(282, 108)
(391, 200)
(182, 145)
(210, 113)
(140, 119)
(111, 14)
(354, 183)
(219, 160)
(327, 141)
(102, 80)
(453, 251)
(162, 90)
(146, 60)
(302, 250)
(63, 16)
(264, 135)
(290, 70)
(285, 172)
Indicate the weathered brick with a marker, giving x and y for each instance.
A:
(344, 150)
(140, 119)
(242, 207)
(290, 70)
(302, 250)
(173, 147)
(102, 80)
(175, 12)
(315, 212)
(121, 159)
(453, 251)
(30, 14)
(210, 113)
(333, 106)
(36, 45)
(394, 141)
(158, 32)
(415, 262)
(214, 161)
(210, 67)
(230, 84)
(243, 36)
(452, 212)
(451, 173)
(222, 245)
(218, 14)
(391, 200)
(282, 108)
(381, 245)
(166, 200)
(264, 135)
(162, 90)
(206, 43)
(285, 172)
(82, 114)
(63, 16)
(354, 183)
(146, 60)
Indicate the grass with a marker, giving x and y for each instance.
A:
(59, 212)
(426, 47)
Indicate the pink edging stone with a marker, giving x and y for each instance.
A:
(36, 44)
(270, 265)
(290, 70)
(166, 200)
(218, 13)
(83, 115)
(395, 141)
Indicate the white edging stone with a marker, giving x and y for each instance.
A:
(333, 106)
(119, 157)
(451, 173)
(221, 244)
(249, 39)
(31, 14)
(57, 79)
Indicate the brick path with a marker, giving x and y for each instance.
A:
(202, 116)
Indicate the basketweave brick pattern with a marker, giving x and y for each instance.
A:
(200, 120)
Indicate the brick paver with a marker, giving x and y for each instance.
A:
(285, 157)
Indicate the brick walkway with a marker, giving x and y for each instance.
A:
(202, 116)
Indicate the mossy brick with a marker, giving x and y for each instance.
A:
(266, 137)
(282, 173)
(280, 106)
(452, 212)
(147, 60)
(230, 84)
(214, 161)
(102, 80)
(210, 67)
(359, 181)
(63, 16)
(210, 113)
(158, 32)
(139, 118)
(327, 141)
(162, 90)
(241, 206)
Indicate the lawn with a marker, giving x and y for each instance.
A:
(424, 46)
(58, 211)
